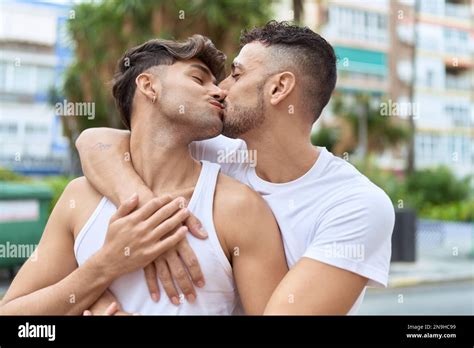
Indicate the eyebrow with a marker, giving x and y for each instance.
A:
(205, 70)
(236, 65)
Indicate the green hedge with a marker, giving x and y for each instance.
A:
(454, 211)
(55, 183)
(434, 193)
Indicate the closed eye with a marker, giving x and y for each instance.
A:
(198, 79)
(236, 76)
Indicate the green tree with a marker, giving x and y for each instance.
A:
(383, 132)
(326, 137)
(437, 186)
(298, 10)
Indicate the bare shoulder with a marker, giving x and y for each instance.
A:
(77, 203)
(232, 197)
(80, 190)
(239, 211)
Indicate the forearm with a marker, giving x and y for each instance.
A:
(106, 162)
(70, 296)
(315, 288)
(105, 300)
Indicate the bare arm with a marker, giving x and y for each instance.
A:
(105, 159)
(255, 246)
(50, 281)
(315, 288)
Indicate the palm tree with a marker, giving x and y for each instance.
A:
(298, 10)
(410, 166)
(383, 132)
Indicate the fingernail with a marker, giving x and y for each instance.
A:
(132, 197)
(154, 297)
(191, 298)
(181, 204)
(200, 283)
(202, 231)
(175, 300)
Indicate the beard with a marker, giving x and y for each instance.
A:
(240, 119)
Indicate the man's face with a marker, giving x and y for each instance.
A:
(190, 99)
(244, 104)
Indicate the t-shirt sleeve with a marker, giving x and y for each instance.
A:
(355, 232)
(221, 150)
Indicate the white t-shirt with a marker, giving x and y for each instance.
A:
(332, 214)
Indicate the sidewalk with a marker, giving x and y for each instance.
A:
(431, 270)
(444, 254)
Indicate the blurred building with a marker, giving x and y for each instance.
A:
(381, 45)
(439, 43)
(33, 55)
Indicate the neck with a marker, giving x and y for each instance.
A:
(162, 161)
(284, 153)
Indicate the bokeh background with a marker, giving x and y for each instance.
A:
(402, 113)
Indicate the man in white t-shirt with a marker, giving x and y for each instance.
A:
(336, 225)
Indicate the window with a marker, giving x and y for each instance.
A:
(23, 79)
(45, 79)
(36, 129)
(358, 24)
(3, 76)
(381, 22)
(459, 115)
(8, 128)
(429, 78)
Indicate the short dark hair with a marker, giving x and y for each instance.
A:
(311, 54)
(160, 52)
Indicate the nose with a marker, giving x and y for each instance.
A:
(224, 83)
(219, 94)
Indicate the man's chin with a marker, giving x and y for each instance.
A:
(230, 132)
(215, 129)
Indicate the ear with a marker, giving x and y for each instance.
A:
(281, 86)
(147, 84)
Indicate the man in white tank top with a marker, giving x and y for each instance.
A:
(336, 224)
(167, 95)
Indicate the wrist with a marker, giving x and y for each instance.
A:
(103, 269)
(144, 194)
(124, 192)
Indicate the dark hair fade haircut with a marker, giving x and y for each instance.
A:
(311, 54)
(160, 52)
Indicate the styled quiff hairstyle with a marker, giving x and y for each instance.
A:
(160, 52)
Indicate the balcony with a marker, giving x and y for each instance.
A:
(457, 10)
(460, 83)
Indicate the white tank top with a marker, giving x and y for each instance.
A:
(218, 296)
